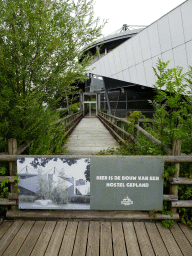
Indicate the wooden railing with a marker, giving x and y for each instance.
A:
(111, 123)
(117, 125)
(69, 123)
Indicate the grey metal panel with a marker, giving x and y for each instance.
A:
(114, 76)
(166, 56)
(126, 75)
(123, 56)
(141, 74)
(176, 27)
(111, 63)
(145, 45)
(129, 52)
(154, 40)
(149, 73)
(120, 76)
(133, 74)
(180, 57)
(189, 52)
(137, 49)
(117, 59)
(164, 34)
(186, 12)
(107, 66)
(102, 67)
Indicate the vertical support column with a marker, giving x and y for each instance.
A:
(176, 150)
(117, 104)
(108, 102)
(12, 149)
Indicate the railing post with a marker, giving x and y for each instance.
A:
(176, 150)
(12, 149)
(136, 132)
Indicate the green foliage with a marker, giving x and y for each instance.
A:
(41, 45)
(108, 151)
(153, 213)
(168, 223)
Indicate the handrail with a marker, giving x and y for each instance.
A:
(148, 135)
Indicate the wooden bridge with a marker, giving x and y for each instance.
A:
(89, 137)
(97, 233)
(92, 238)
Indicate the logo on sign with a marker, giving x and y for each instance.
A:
(126, 201)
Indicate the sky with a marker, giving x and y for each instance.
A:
(132, 12)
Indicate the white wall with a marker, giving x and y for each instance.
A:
(169, 38)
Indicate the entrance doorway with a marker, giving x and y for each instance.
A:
(90, 104)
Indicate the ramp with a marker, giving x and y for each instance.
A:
(89, 137)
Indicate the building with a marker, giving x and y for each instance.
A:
(121, 77)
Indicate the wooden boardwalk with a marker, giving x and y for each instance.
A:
(92, 238)
(89, 137)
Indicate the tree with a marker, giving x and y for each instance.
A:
(41, 43)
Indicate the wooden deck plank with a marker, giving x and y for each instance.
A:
(19, 239)
(118, 239)
(156, 240)
(181, 240)
(4, 227)
(56, 239)
(69, 239)
(44, 239)
(9, 235)
(131, 239)
(143, 239)
(31, 239)
(89, 137)
(93, 239)
(187, 231)
(106, 239)
(81, 239)
(169, 241)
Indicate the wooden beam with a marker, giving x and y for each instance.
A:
(177, 159)
(180, 181)
(182, 203)
(88, 215)
(170, 159)
(5, 201)
(23, 147)
(11, 178)
(170, 198)
(13, 196)
(113, 132)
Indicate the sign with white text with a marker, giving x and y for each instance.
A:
(126, 183)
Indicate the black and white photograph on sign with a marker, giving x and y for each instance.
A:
(54, 183)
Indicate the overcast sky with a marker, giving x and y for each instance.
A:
(132, 12)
